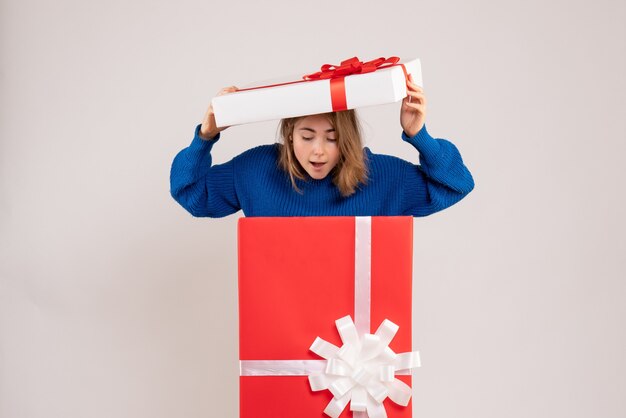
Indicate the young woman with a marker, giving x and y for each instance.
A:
(322, 169)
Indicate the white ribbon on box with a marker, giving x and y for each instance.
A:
(362, 371)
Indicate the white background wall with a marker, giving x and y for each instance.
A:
(114, 302)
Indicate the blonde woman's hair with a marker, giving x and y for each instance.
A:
(350, 171)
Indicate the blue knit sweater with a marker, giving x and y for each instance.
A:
(254, 183)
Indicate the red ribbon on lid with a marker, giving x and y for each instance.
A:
(337, 74)
(351, 66)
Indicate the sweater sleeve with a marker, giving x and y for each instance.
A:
(439, 181)
(201, 188)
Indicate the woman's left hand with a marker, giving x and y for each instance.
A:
(413, 111)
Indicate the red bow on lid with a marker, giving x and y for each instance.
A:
(351, 66)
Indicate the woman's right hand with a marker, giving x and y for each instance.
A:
(209, 130)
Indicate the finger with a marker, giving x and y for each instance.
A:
(416, 91)
(410, 99)
(414, 87)
(227, 90)
(420, 108)
(416, 97)
(415, 103)
(208, 112)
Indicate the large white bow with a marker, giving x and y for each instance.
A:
(362, 372)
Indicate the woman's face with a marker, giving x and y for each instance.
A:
(315, 145)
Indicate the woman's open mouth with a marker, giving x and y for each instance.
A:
(317, 165)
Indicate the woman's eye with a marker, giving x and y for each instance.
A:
(306, 139)
(332, 139)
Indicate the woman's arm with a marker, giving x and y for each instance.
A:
(199, 187)
(439, 181)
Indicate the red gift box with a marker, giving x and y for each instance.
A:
(297, 278)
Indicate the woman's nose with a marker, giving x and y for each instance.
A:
(318, 148)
